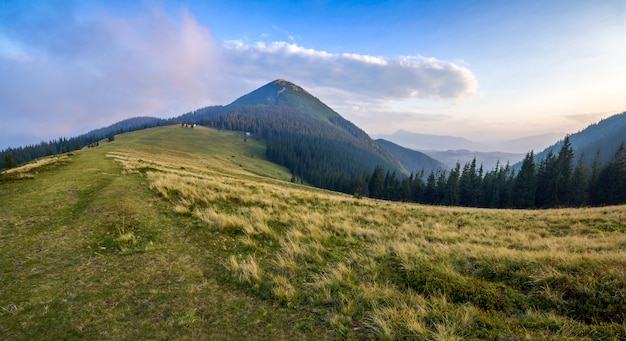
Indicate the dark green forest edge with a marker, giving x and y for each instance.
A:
(324, 150)
(555, 181)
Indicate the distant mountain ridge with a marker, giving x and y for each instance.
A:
(423, 142)
(429, 142)
(487, 160)
(604, 137)
(452, 149)
(413, 160)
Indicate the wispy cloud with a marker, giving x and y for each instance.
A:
(71, 75)
(399, 78)
(65, 74)
(589, 117)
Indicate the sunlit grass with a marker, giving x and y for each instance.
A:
(393, 270)
(358, 268)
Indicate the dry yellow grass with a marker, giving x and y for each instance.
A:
(394, 270)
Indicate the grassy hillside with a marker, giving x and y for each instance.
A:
(174, 233)
(288, 95)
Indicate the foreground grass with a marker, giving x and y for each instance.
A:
(91, 253)
(189, 243)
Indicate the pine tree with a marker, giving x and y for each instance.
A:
(593, 180)
(377, 183)
(9, 162)
(418, 187)
(525, 185)
(612, 180)
(564, 173)
(441, 188)
(470, 184)
(452, 189)
(546, 182)
(505, 179)
(579, 184)
(430, 192)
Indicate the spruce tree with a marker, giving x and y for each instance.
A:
(469, 185)
(546, 182)
(452, 189)
(430, 192)
(593, 180)
(612, 180)
(525, 185)
(9, 162)
(564, 173)
(579, 184)
(377, 183)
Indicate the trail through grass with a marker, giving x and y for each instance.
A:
(173, 233)
(91, 253)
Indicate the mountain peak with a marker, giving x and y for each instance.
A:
(284, 85)
(287, 84)
(282, 93)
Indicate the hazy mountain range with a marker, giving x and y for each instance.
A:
(602, 138)
(452, 149)
(424, 142)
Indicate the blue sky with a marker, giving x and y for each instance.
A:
(483, 70)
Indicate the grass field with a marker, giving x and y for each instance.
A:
(174, 233)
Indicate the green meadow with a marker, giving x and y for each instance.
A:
(177, 233)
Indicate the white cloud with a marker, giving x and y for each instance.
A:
(590, 117)
(67, 74)
(400, 78)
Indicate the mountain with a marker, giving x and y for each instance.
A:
(423, 142)
(303, 134)
(525, 144)
(412, 160)
(604, 137)
(300, 132)
(452, 149)
(487, 160)
(281, 93)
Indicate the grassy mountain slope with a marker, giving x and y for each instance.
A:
(412, 160)
(281, 93)
(171, 233)
(91, 252)
(302, 134)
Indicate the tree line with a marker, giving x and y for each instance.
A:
(316, 155)
(12, 157)
(555, 181)
(337, 157)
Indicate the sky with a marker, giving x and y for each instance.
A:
(483, 70)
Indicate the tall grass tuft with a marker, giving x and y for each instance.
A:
(374, 269)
